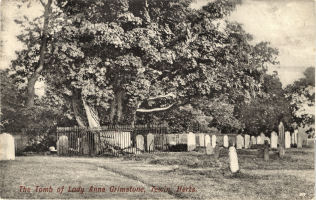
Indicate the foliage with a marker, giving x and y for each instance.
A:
(125, 57)
(263, 114)
(301, 94)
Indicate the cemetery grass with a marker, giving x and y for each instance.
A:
(289, 178)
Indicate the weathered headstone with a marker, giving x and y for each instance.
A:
(287, 139)
(239, 141)
(171, 139)
(209, 149)
(213, 141)
(266, 151)
(150, 142)
(274, 140)
(200, 139)
(263, 136)
(253, 140)
(140, 142)
(295, 136)
(207, 140)
(281, 140)
(233, 160)
(62, 145)
(259, 140)
(300, 136)
(191, 141)
(7, 147)
(225, 141)
(247, 141)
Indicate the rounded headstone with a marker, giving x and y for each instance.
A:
(233, 160)
(7, 148)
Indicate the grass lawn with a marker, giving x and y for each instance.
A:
(161, 175)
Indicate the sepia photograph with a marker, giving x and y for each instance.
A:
(157, 99)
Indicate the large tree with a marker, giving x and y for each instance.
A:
(112, 60)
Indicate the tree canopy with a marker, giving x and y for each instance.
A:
(131, 61)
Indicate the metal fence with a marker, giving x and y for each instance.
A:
(111, 140)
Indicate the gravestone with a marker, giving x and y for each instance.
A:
(7, 147)
(200, 140)
(140, 142)
(253, 140)
(150, 142)
(263, 136)
(274, 140)
(233, 160)
(292, 139)
(207, 140)
(295, 136)
(281, 135)
(171, 139)
(62, 145)
(266, 151)
(209, 149)
(213, 141)
(239, 141)
(247, 141)
(191, 141)
(287, 139)
(259, 140)
(225, 141)
(281, 140)
(300, 136)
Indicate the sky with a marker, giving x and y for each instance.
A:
(289, 25)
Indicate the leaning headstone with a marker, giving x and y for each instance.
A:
(300, 136)
(247, 141)
(191, 141)
(259, 140)
(233, 160)
(207, 140)
(150, 142)
(7, 148)
(140, 142)
(213, 141)
(274, 140)
(287, 139)
(225, 141)
(62, 145)
(239, 141)
(253, 140)
(209, 149)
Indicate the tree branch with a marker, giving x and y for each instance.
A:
(154, 109)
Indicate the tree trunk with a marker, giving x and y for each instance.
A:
(119, 106)
(112, 110)
(92, 115)
(76, 109)
(32, 80)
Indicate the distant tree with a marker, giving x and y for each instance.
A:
(264, 113)
(301, 94)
